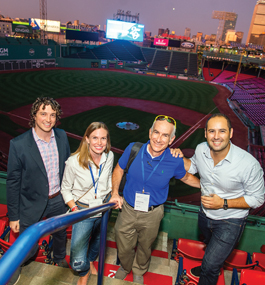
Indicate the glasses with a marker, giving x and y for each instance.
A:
(169, 119)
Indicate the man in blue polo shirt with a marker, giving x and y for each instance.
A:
(145, 191)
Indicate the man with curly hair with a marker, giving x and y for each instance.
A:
(35, 169)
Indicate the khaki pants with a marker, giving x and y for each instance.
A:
(136, 228)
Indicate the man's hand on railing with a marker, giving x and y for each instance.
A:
(14, 225)
(116, 198)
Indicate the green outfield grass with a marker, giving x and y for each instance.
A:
(23, 88)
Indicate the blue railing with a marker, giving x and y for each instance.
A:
(15, 255)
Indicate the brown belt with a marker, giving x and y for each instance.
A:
(54, 195)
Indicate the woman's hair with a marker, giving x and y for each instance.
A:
(45, 101)
(83, 152)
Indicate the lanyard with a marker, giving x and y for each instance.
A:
(95, 184)
(142, 156)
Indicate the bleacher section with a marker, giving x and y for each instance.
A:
(161, 60)
(193, 64)
(103, 52)
(249, 96)
(148, 54)
(135, 50)
(121, 52)
(88, 54)
(158, 60)
(179, 62)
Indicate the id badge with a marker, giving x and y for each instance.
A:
(94, 203)
(141, 202)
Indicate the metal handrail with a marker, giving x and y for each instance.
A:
(16, 254)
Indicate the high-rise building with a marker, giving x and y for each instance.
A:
(199, 36)
(230, 36)
(161, 31)
(257, 25)
(187, 33)
(239, 37)
(227, 21)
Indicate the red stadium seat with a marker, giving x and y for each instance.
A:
(260, 258)
(184, 275)
(191, 249)
(250, 277)
(238, 259)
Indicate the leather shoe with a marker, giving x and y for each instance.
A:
(120, 274)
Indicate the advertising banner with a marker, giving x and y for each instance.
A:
(49, 26)
(20, 28)
(161, 42)
(3, 52)
(125, 31)
(188, 45)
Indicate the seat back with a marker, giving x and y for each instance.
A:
(191, 249)
(260, 257)
(238, 259)
(249, 277)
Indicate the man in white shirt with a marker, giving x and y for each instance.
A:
(231, 183)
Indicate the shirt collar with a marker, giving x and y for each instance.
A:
(228, 157)
(36, 137)
(148, 153)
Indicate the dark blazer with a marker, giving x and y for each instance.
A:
(27, 183)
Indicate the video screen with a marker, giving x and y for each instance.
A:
(125, 31)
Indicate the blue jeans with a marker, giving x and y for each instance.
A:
(221, 237)
(85, 244)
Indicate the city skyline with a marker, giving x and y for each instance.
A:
(172, 14)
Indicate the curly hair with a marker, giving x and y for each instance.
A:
(45, 101)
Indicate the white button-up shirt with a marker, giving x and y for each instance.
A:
(77, 180)
(239, 174)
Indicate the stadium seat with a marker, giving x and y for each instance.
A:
(260, 258)
(185, 277)
(190, 249)
(249, 277)
(238, 260)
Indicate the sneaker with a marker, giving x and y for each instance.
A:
(63, 263)
(120, 274)
(15, 277)
(196, 271)
(138, 279)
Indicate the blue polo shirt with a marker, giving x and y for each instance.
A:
(158, 184)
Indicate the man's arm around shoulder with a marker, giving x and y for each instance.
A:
(191, 180)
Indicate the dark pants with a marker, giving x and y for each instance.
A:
(55, 207)
(221, 237)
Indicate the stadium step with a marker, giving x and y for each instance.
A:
(37, 273)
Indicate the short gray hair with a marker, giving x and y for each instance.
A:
(173, 133)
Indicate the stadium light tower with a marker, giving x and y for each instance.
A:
(43, 18)
(227, 20)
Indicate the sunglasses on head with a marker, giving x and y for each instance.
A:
(167, 118)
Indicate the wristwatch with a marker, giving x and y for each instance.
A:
(225, 206)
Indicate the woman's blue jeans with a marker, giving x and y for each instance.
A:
(85, 244)
(221, 237)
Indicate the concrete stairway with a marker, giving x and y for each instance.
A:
(37, 273)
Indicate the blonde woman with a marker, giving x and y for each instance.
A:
(87, 183)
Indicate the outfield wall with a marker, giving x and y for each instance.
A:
(11, 52)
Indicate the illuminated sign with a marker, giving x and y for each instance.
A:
(125, 31)
(161, 42)
(20, 28)
(49, 26)
(187, 45)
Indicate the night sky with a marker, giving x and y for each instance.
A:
(154, 14)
